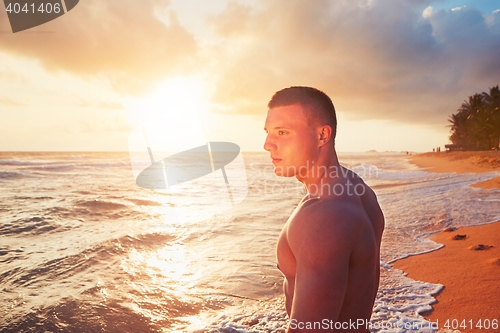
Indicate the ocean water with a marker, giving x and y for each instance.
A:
(84, 249)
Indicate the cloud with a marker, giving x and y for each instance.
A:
(13, 77)
(232, 21)
(9, 101)
(471, 42)
(100, 104)
(134, 44)
(59, 129)
(376, 59)
(107, 126)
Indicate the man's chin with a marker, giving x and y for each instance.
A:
(282, 172)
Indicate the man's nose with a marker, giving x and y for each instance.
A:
(269, 144)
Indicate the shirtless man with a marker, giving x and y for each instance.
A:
(329, 249)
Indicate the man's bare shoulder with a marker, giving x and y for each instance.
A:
(325, 226)
(327, 213)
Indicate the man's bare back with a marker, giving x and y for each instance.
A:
(338, 237)
(329, 249)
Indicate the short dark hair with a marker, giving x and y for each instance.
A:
(317, 105)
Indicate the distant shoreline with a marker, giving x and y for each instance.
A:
(461, 162)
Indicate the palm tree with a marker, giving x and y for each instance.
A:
(493, 108)
(464, 133)
(458, 129)
(476, 125)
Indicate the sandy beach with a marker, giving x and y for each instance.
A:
(462, 162)
(468, 265)
(469, 270)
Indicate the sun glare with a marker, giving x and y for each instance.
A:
(171, 116)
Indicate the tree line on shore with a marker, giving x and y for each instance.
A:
(476, 125)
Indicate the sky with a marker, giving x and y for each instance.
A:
(395, 70)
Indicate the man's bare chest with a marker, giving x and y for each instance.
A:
(284, 255)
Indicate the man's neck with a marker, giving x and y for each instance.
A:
(326, 170)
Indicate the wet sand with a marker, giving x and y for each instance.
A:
(469, 269)
(469, 263)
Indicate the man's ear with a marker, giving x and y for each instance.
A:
(325, 134)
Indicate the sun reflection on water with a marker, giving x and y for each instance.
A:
(170, 267)
(164, 283)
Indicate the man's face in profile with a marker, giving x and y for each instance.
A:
(290, 140)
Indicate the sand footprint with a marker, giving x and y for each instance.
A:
(459, 237)
(480, 247)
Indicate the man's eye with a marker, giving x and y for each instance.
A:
(281, 132)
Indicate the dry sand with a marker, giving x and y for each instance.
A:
(469, 268)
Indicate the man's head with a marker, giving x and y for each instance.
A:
(318, 107)
(300, 128)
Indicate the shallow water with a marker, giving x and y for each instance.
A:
(82, 248)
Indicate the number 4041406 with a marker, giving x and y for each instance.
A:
(48, 8)
(482, 324)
